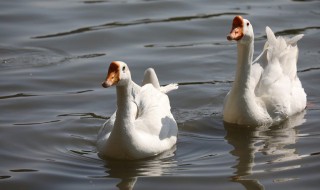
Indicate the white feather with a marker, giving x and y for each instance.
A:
(274, 91)
(142, 126)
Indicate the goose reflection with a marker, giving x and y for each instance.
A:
(272, 142)
(129, 171)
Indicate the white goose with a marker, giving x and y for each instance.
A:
(142, 126)
(265, 91)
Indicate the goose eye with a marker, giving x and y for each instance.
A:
(248, 24)
(123, 68)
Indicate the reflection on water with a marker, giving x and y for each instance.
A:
(273, 142)
(127, 183)
(130, 171)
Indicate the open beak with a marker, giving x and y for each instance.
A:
(237, 29)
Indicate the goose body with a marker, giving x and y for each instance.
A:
(267, 90)
(142, 126)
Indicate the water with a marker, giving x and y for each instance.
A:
(55, 54)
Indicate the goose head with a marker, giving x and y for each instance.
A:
(241, 30)
(118, 74)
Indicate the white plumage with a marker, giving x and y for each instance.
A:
(142, 125)
(265, 91)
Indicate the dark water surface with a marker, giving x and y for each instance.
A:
(55, 54)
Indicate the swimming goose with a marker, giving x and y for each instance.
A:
(265, 91)
(142, 126)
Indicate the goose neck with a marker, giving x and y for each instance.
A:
(125, 99)
(244, 63)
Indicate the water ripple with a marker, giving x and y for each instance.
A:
(38, 123)
(205, 82)
(296, 31)
(5, 177)
(23, 170)
(309, 69)
(136, 22)
(19, 95)
(84, 115)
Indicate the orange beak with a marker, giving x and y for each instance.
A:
(113, 75)
(237, 29)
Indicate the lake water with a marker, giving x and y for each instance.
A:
(55, 54)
